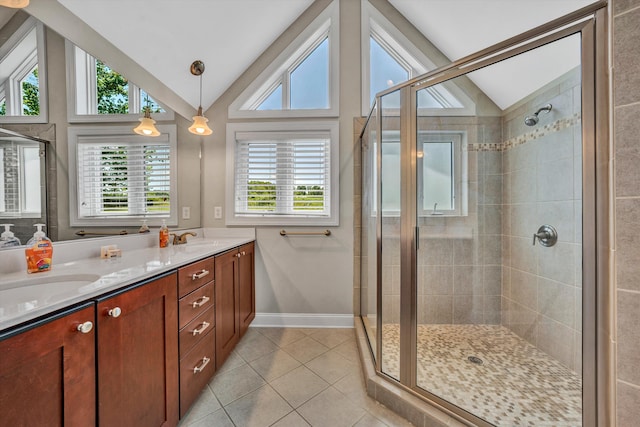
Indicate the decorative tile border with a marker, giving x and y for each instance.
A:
(540, 132)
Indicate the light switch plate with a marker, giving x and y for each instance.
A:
(217, 212)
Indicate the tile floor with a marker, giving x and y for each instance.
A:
(291, 378)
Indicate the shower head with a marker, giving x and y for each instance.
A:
(533, 120)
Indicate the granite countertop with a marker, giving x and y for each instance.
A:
(25, 297)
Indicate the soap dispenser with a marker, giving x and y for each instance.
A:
(39, 251)
(7, 238)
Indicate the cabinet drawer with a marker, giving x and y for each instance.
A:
(196, 330)
(194, 304)
(196, 369)
(194, 275)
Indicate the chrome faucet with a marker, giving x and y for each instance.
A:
(182, 238)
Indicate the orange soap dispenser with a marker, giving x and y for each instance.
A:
(39, 251)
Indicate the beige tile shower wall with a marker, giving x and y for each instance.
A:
(459, 261)
(542, 286)
(626, 103)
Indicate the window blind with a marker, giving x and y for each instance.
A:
(283, 175)
(124, 178)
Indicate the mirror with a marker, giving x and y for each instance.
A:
(54, 128)
(23, 183)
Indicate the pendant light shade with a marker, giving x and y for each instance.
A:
(147, 125)
(16, 4)
(199, 126)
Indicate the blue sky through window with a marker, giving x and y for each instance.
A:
(385, 70)
(310, 80)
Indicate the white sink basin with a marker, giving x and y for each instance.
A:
(66, 281)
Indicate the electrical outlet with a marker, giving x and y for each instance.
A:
(186, 212)
(217, 212)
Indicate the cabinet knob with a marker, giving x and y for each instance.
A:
(238, 255)
(243, 253)
(114, 312)
(85, 327)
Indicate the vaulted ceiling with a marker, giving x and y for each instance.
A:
(165, 36)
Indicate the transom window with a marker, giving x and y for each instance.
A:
(389, 58)
(22, 79)
(100, 93)
(122, 177)
(282, 176)
(302, 81)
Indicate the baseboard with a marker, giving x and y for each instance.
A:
(302, 320)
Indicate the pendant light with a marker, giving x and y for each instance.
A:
(16, 4)
(147, 124)
(199, 126)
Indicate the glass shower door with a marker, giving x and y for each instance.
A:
(389, 206)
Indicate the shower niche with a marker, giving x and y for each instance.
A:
(459, 170)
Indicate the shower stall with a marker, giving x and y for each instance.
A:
(477, 229)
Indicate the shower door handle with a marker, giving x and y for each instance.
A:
(546, 235)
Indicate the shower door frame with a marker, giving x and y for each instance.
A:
(591, 24)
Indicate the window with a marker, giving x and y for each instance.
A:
(22, 78)
(442, 175)
(389, 58)
(302, 81)
(20, 166)
(120, 177)
(100, 93)
(283, 173)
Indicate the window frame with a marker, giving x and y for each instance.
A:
(460, 180)
(21, 187)
(120, 135)
(283, 130)
(375, 25)
(13, 85)
(90, 102)
(326, 24)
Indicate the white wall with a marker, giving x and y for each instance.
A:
(311, 275)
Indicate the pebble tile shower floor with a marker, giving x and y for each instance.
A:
(291, 378)
(516, 384)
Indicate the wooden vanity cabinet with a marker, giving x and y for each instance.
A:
(235, 298)
(137, 355)
(247, 286)
(196, 329)
(47, 371)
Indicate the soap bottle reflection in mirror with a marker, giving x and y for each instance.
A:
(7, 238)
(39, 252)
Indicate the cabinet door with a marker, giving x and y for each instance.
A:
(138, 356)
(227, 305)
(247, 286)
(47, 374)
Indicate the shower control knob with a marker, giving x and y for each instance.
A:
(546, 235)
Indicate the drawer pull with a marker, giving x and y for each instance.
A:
(203, 327)
(200, 301)
(196, 276)
(203, 364)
